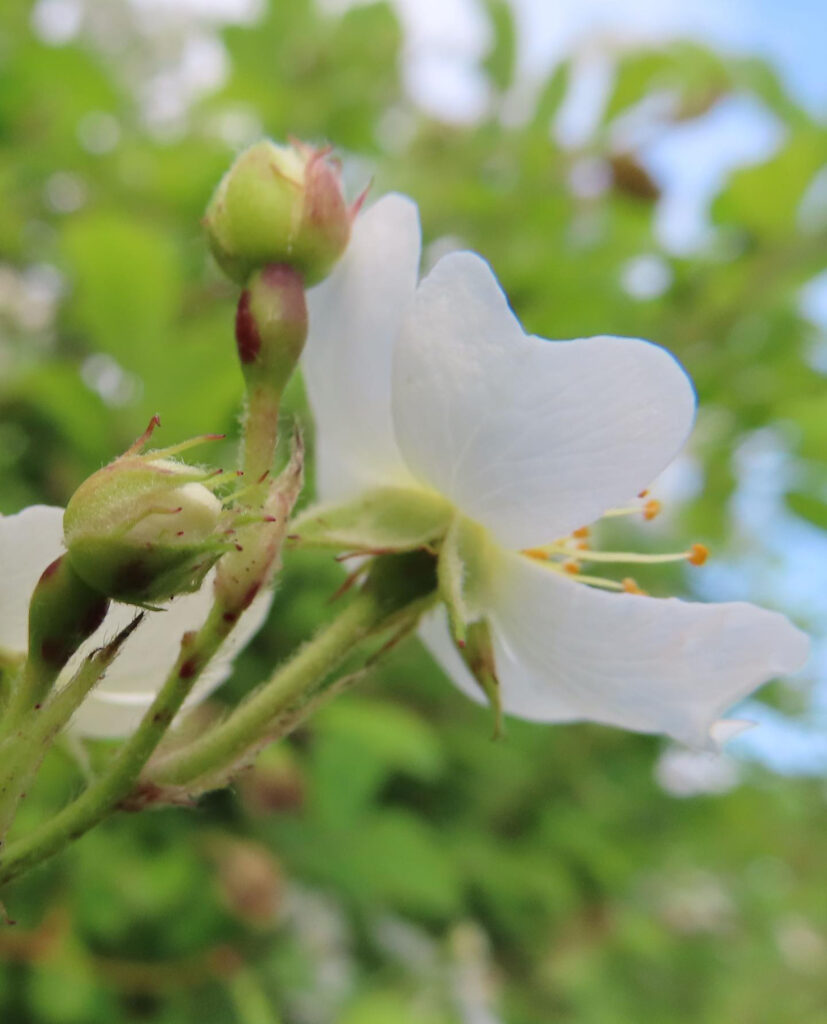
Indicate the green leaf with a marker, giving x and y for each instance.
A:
(406, 864)
(127, 286)
(808, 507)
(765, 199)
(396, 736)
(501, 61)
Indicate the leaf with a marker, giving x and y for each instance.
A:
(406, 864)
(127, 286)
(501, 61)
(765, 198)
(808, 507)
(359, 745)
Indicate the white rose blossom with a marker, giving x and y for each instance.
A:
(435, 390)
(32, 539)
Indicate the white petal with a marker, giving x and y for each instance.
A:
(566, 651)
(29, 541)
(354, 322)
(727, 729)
(116, 705)
(531, 438)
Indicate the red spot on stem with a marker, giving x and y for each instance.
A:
(247, 336)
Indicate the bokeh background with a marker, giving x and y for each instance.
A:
(633, 168)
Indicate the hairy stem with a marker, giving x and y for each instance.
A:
(117, 781)
(22, 753)
(397, 591)
(224, 744)
(260, 432)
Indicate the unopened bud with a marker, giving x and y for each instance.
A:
(145, 527)
(279, 204)
(63, 612)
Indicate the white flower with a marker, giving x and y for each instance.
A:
(437, 390)
(32, 539)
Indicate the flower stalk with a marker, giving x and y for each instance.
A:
(394, 596)
(397, 592)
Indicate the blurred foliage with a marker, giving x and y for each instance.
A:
(390, 863)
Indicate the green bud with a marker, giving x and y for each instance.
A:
(63, 612)
(279, 204)
(145, 527)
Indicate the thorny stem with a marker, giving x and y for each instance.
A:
(398, 589)
(104, 795)
(32, 681)
(224, 744)
(260, 432)
(22, 753)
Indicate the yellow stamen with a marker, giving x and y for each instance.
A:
(631, 586)
(651, 509)
(630, 510)
(566, 554)
(698, 554)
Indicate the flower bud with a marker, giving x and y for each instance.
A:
(279, 204)
(63, 612)
(144, 528)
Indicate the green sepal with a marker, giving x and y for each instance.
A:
(478, 654)
(63, 612)
(387, 520)
(463, 574)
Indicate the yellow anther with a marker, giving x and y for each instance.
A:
(581, 531)
(571, 567)
(651, 509)
(631, 586)
(697, 554)
(539, 553)
(644, 493)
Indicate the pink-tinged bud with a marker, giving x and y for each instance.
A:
(145, 527)
(63, 612)
(279, 204)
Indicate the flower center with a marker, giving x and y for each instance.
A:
(569, 554)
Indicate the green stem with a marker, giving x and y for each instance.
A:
(32, 682)
(397, 591)
(260, 431)
(250, 1000)
(115, 784)
(22, 754)
(224, 744)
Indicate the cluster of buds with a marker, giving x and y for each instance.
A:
(148, 527)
